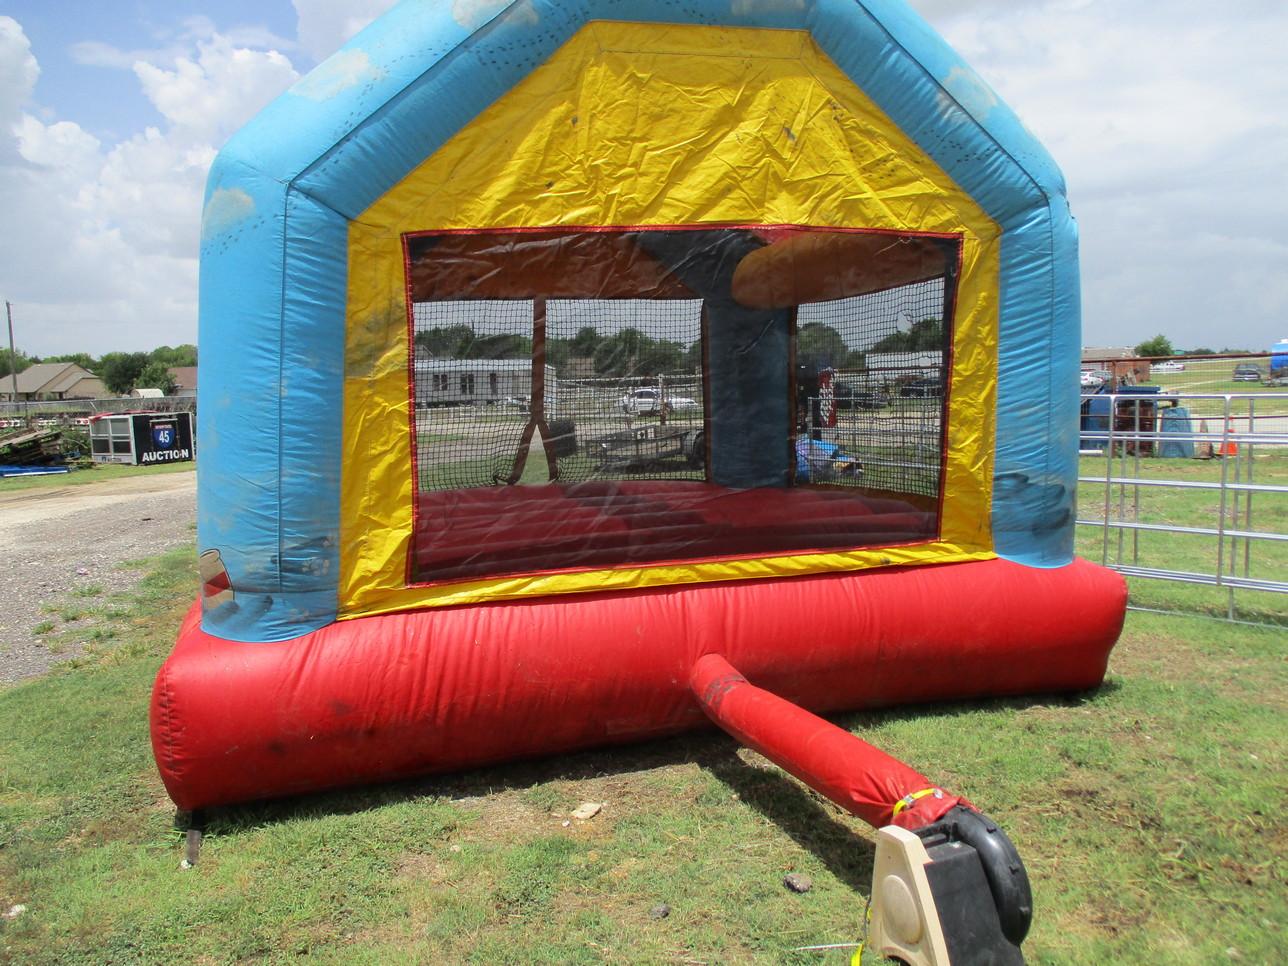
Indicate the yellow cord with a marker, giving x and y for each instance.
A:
(908, 799)
(857, 958)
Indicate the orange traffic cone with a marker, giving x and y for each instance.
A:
(1228, 446)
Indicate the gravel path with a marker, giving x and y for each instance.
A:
(57, 540)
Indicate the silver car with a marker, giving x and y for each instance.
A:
(644, 402)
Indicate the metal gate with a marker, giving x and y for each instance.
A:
(1193, 489)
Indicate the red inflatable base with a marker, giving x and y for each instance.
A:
(426, 691)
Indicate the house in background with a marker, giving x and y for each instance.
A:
(185, 378)
(453, 382)
(1120, 361)
(53, 380)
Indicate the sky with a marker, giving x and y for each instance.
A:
(1168, 120)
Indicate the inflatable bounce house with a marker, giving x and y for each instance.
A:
(581, 371)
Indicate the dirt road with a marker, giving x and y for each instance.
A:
(58, 541)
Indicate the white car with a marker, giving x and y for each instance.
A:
(1091, 380)
(1167, 367)
(643, 402)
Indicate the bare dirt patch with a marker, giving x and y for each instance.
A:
(63, 548)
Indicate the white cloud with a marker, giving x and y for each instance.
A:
(209, 96)
(59, 145)
(18, 74)
(1168, 128)
(325, 25)
(100, 247)
(176, 43)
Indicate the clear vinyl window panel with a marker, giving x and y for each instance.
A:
(472, 389)
(604, 398)
(628, 400)
(872, 372)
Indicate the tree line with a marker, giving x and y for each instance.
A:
(1161, 345)
(819, 344)
(630, 352)
(121, 372)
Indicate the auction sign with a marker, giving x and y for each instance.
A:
(161, 438)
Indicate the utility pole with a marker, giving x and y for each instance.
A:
(13, 356)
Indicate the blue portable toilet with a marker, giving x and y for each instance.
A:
(1176, 420)
(1279, 358)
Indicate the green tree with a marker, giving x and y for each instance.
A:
(632, 353)
(445, 342)
(1160, 345)
(156, 375)
(558, 352)
(82, 359)
(462, 342)
(180, 355)
(693, 357)
(12, 363)
(585, 342)
(505, 346)
(819, 345)
(121, 370)
(924, 336)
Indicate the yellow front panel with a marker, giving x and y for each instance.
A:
(655, 125)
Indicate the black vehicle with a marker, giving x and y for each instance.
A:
(847, 397)
(1247, 372)
(922, 388)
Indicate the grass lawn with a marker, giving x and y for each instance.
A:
(1150, 814)
(95, 473)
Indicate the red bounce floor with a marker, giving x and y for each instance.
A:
(488, 531)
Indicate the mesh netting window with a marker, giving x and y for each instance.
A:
(472, 388)
(588, 399)
(871, 373)
(629, 392)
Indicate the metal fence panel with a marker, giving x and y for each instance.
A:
(1194, 484)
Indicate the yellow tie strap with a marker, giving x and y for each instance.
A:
(911, 797)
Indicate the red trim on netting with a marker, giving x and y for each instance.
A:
(705, 226)
(945, 411)
(704, 333)
(793, 403)
(766, 231)
(411, 416)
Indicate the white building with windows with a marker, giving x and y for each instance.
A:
(455, 382)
